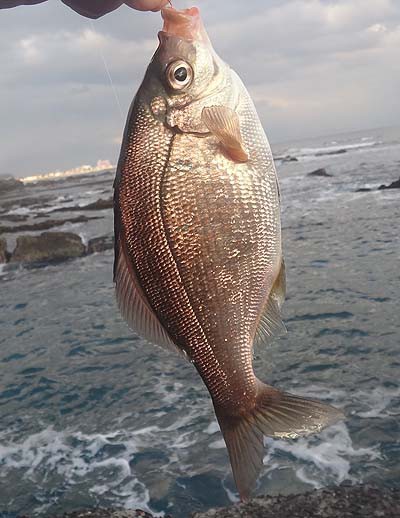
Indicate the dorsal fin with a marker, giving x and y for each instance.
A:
(133, 303)
(270, 323)
(224, 124)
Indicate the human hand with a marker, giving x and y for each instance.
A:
(95, 9)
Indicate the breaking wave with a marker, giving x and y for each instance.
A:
(311, 153)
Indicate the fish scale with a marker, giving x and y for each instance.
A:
(198, 258)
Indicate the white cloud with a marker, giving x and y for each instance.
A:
(323, 65)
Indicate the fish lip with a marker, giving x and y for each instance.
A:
(185, 23)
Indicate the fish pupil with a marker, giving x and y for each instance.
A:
(180, 74)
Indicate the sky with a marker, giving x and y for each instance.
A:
(313, 67)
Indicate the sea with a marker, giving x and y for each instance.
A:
(91, 415)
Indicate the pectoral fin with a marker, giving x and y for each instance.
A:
(224, 124)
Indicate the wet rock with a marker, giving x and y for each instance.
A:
(10, 183)
(43, 225)
(100, 244)
(28, 201)
(47, 247)
(4, 255)
(105, 513)
(343, 501)
(319, 172)
(109, 513)
(14, 218)
(287, 158)
(100, 204)
(393, 185)
(362, 501)
(334, 152)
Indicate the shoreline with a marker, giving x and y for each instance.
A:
(344, 501)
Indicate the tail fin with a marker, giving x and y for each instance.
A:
(276, 414)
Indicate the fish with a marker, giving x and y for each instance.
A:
(199, 266)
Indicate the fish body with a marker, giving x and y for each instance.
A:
(198, 253)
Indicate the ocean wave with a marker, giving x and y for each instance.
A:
(78, 458)
(311, 153)
(321, 460)
(378, 402)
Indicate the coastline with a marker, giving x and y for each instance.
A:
(345, 501)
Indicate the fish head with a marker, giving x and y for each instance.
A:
(185, 74)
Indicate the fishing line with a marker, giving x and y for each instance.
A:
(108, 73)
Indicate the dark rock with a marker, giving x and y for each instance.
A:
(363, 189)
(319, 172)
(341, 502)
(100, 244)
(4, 255)
(393, 185)
(362, 501)
(100, 204)
(44, 225)
(109, 513)
(47, 247)
(28, 201)
(9, 183)
(15, 218)
(287, 158)
(99, 512)
(335, 152)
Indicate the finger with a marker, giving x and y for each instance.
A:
(93, 9)
(147, 5)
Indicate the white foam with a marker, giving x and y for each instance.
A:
(320, 151)
(78, 457)
(19, 211)
(378, 400)
(323, 459)
(212, 428)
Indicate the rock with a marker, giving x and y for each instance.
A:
(100, 204)
(15, 218)
(361, 501)
(335, 152)
(30, 202)
(43, 225)
(345, 501)
(109, 513)
(47, 247)
(319, 172)
(393, 185)
(10, 183)
(287, 158)
(363, 189)
(100, 244)
(105, 513)
(4, 255)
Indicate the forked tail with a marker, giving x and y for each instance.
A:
(275, 414)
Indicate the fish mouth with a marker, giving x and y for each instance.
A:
(185, 23)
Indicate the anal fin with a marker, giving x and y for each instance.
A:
(270, 323)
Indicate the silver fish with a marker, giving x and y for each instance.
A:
(198, 255)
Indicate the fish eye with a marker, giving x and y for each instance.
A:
(179, 75)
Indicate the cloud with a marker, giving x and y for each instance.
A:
(312, 66)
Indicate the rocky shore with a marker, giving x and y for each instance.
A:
(345, 501)
(49, 247)
(30, 217)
